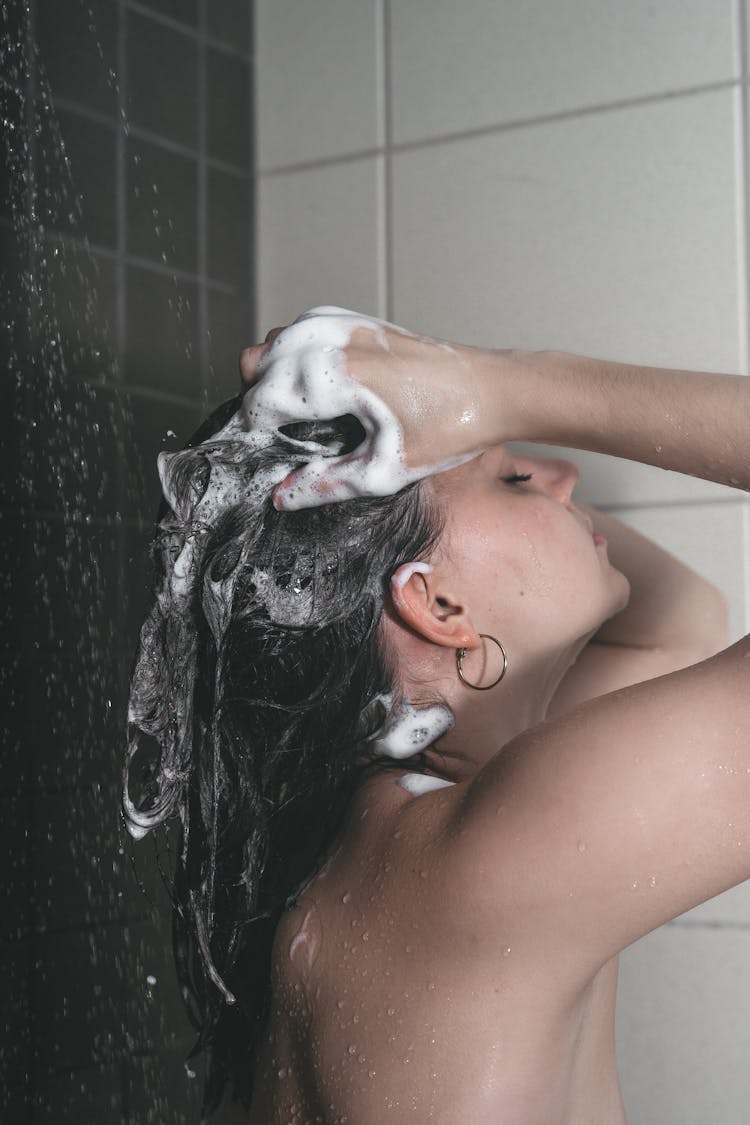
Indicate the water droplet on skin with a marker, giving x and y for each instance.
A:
(305, 945)
(582, 846)
(658, 448)
(282, 1072)
(346, 897)
(507, 951)
(652, 880)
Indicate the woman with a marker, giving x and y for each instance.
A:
(426, 795)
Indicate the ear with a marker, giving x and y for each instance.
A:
(423, 601)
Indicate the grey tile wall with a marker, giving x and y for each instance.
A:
(126, 203)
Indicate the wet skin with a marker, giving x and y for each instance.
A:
(388, 1004)
(392, 997)
(484, 991)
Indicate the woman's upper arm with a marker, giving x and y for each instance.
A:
(604, 823)
(601, 668)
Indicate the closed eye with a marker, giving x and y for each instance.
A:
(518, 478)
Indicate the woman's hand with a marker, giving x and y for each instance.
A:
(420, 401)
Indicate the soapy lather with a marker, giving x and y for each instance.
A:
(303, 377)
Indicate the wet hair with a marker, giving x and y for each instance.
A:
(255, 698)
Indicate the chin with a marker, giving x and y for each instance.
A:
(621, 591)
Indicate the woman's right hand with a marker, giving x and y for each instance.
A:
(419, 399)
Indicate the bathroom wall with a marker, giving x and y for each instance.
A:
(540, 175)
(126, 253)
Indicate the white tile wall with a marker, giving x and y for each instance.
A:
(731, 908)
(709, 538)
(459, 67)
(611, 235)
(682, 1028)
(318, 83)
(429, 196)
(319, 240)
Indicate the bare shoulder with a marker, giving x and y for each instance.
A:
(615, 816)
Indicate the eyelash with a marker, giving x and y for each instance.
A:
(518, 478)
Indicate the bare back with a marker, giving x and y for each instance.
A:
(386, 1005)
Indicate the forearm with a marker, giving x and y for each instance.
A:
(671, 606)
(692, 422)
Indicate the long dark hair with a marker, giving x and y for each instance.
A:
(256, 694)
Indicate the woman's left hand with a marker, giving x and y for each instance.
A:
(417, 398)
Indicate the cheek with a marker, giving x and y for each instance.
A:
(557, 559)
(540, 555)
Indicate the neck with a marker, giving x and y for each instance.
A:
(486, 721)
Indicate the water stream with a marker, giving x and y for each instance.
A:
(87, 997)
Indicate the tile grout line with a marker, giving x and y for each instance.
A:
(252, 203)
(678, 503)
(503, 127)
(30, 203)
(708, 924)
(743, 206)
(99, 250)
(202, 206)
(742, 184)
(120, 260)
(177, 148)
(257, 328)
(382, 173)
(121, 211)
(185, 29)
(121, 219)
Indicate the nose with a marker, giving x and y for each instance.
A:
(562, 478)
(558, 478)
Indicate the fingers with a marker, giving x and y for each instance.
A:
(309, 487)
(251, 357)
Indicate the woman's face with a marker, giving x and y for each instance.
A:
(524, 559)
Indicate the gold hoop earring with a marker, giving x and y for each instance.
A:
(461, 653)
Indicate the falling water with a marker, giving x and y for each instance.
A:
(88, 995)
